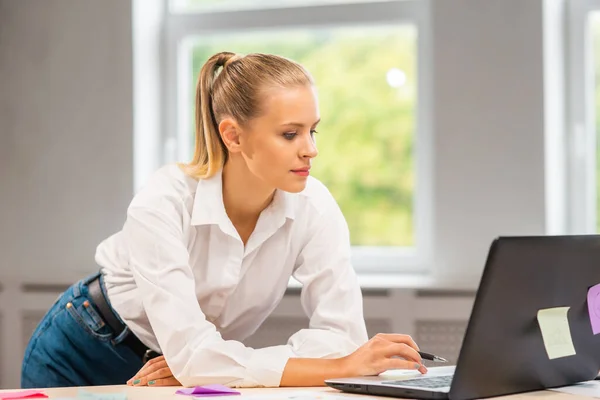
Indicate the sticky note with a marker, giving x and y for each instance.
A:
(208, 391)
(23, 394)
(593, 301)
(84, 394)
(556, 333)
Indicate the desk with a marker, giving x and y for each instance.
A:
(168, 393)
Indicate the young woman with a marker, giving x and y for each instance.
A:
(206, 253)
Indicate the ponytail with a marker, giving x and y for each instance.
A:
(210, 152)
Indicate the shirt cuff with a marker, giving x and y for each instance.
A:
(266, 365)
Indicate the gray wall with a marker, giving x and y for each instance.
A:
(488, 127)
(65, 132)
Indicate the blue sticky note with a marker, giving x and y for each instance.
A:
(84, 394)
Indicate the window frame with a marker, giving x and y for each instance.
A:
(180, 26)
(581, 131)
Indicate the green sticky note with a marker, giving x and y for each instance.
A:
(556, 333)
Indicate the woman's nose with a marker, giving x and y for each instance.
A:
(309, 148)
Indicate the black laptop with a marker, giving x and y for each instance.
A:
(504, 351)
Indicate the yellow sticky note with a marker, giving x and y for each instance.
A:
(556, 333)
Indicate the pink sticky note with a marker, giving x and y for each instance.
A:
(593, 300)
(23, 394)
(208, 391)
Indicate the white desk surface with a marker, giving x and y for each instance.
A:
(320, 393)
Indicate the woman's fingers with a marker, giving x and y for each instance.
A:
(156, 372)
(147, 378)
(151, 366)
(165, 382)
(398, 363)
(162, 373)
(402, 350)
(398, 338)
(137, 376)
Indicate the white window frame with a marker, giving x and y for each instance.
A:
(582, 191)
(176, 68)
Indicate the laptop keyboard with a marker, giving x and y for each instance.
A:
(429, 383)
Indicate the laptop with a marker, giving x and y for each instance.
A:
(503, 350)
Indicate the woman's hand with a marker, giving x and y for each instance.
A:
(156, 372)
(383, 352)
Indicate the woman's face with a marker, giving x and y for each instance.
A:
(278, 146)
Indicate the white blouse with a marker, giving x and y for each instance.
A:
(181, 278)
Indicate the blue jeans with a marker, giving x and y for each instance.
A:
(73, 346)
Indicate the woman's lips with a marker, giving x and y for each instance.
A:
(302, 171)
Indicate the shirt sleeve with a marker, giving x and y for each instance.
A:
(194, 349)
(331, 295)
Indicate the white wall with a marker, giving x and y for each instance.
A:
(66, 132)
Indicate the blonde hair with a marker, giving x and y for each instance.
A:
(234, 91)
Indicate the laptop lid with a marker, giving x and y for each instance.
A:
(509, 345)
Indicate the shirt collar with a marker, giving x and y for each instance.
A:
(283, 204)
(209, 209)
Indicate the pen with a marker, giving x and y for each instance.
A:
(431, 357)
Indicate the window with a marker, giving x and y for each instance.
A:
(595, 34)
(372, 139)
(183, 6)
(584, 124)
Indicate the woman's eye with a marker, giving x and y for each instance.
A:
(313, 132)
(289, 135)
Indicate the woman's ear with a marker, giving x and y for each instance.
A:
(230, 133)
